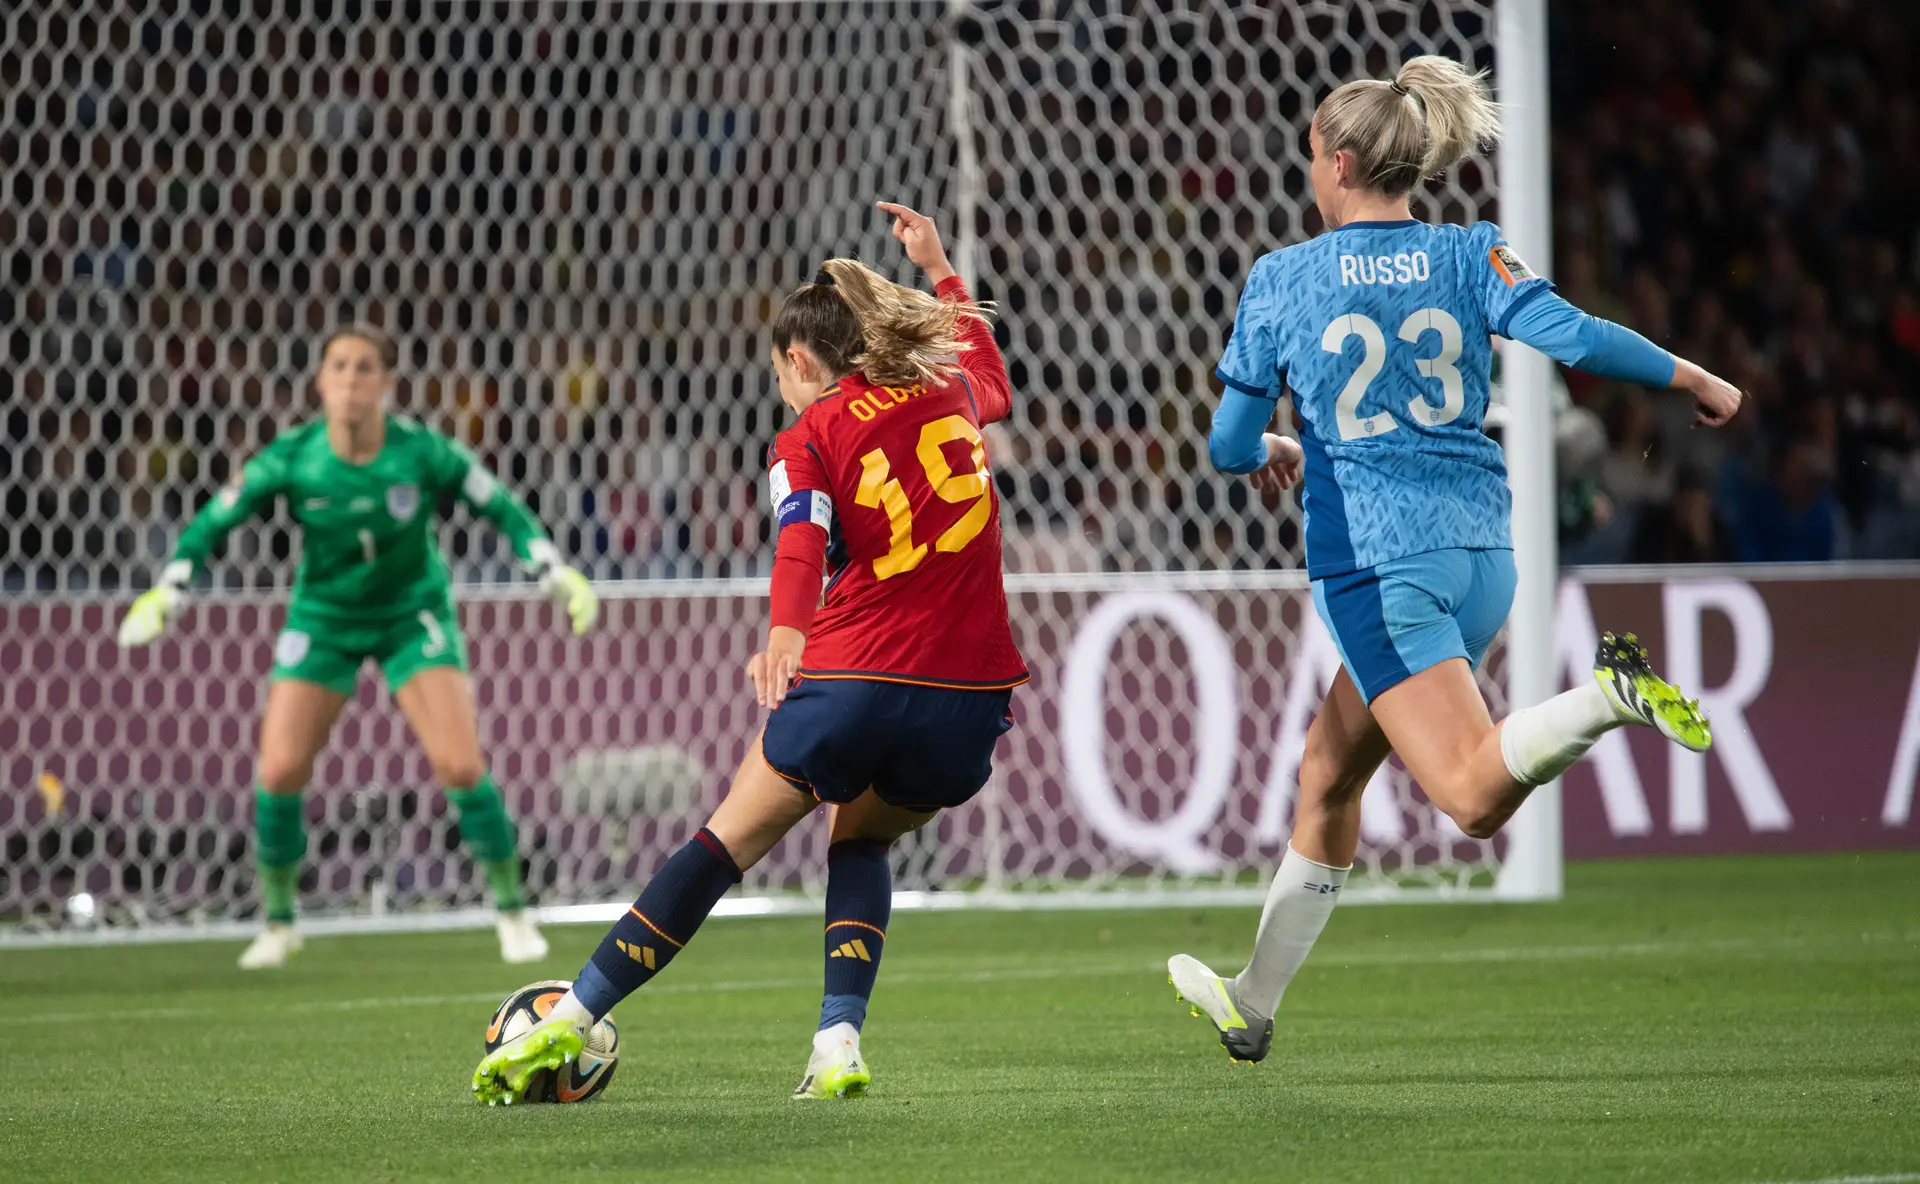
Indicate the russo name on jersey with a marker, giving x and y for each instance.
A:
(1406, 267)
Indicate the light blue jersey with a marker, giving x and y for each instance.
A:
(1382, 330)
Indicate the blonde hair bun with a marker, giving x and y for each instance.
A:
(1427, 119)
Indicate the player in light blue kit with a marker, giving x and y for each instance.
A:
(1381, 327)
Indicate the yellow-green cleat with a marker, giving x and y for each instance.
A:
(1638, 694)
(504, 1073)
(1210, 997)
(836, 1069)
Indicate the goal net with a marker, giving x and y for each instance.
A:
(578, 219)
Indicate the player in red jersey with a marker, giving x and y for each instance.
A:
(888, 697)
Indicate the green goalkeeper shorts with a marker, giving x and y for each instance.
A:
(329, 654)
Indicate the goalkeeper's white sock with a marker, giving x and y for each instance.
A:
(1298, 905)
(1540, 742)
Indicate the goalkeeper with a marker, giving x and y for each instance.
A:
(364, 486)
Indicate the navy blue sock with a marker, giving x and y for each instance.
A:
(859, 901)
(659, 924)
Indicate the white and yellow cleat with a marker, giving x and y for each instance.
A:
(1640, 696)
(836, 1069)
(1211, 997)
(504, 1073)
(272, 948)
(520, 939)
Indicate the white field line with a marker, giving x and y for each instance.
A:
(606, 912)
(784, 905)
(1896, 1178)
(1147, 970)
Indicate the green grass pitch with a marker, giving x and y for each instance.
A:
(1717, 1020)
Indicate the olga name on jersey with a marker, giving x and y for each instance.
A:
(1404, 268)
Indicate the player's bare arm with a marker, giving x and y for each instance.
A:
(917, 233)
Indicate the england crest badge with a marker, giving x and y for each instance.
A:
(402, 501)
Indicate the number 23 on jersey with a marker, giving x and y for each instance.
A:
(881, 490)
(1346, 408)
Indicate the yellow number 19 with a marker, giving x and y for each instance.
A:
(880, 490)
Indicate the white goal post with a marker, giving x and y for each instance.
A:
(1532, 870)
(577, 218)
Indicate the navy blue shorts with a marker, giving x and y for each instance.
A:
(917, 747)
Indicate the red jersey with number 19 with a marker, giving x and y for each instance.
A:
(892, 482)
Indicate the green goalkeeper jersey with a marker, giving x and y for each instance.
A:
(367, 549)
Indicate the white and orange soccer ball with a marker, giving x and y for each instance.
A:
(576, 1082)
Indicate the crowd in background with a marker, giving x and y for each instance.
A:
(1737, 181)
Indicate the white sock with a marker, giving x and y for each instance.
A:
(1298, 905)
(1540, 742)
(571, 1009)
(839, 1033)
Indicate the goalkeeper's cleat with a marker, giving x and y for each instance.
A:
(1640, 696)
(271, 949)
(520, 939)
(836, 1068)
(1211, 997)
(504, 1073)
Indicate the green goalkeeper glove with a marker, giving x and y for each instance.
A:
(148, 616)
(568, 588)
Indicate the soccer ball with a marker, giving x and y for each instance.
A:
(587, 1075)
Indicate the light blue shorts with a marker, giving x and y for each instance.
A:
(1392, 621)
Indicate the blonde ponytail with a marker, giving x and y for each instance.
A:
(1426, 120)
(910, 336)
(1461, 114)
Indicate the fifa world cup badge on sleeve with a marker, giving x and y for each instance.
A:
(778, 484)
(1509, 266)
(402, 501)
